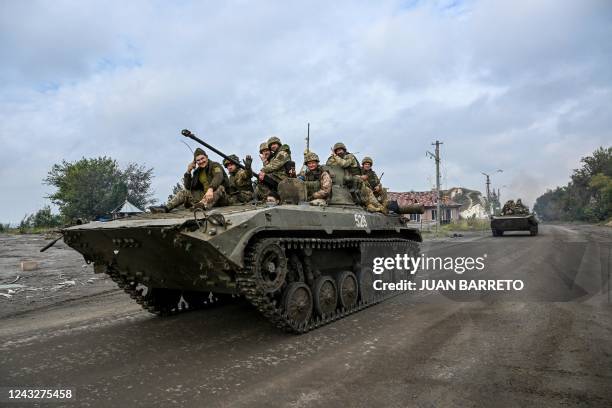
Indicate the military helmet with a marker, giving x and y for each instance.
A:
(339, 145)
(367, 159)
(273, 140)
(199, 152)
(311, 156)
(263, 146)
(233, 157)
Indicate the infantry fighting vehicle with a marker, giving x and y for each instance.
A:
(301, 266)
(503, 223)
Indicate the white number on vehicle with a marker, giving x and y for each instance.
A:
(360, 221)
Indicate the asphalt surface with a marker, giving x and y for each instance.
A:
(547, 345)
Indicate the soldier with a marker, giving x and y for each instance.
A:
(206, 188)
(508, 208)
(262, 190)
(521, 208)
(368, 175)
(280, 154)
(264, 153)
(340, 157)
(240, 186)
(317, 179)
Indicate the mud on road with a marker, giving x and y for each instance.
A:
(430, 350)
(61, 275)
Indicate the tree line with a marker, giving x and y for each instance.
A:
(587, 196)
(90, 188)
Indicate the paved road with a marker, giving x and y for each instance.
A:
(549, 345)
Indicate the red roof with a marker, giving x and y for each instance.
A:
(427, 198)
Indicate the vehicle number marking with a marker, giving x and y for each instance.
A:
(361, 221)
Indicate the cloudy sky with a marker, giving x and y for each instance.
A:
(524, 86)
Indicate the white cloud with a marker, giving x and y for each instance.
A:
(524, 86)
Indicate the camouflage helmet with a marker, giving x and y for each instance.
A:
(233, 157)
(273, 140)
(311, 156)
(263, 146)
(367, 159)
(339, 145)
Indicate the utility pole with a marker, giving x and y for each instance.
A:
(436, 157)
(489, 204)
(488, 192)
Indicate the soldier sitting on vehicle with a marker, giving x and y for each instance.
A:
(206, 188)
(368, 175)
(521, 209)
(342, 158)
(317, 179)
(262, 189)
(508, 208)
(279, 156)
(240, 186)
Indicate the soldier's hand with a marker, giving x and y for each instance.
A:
(261, 175)
(190, 167)
(377, 188)
(209, 195)
(248, 160)
(364, 177)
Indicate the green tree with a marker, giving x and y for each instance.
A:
(587, 197)
(175, 189)
(44, 218)
(88, 188)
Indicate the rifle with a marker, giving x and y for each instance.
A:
(267, 179)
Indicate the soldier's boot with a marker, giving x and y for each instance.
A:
(160, 209)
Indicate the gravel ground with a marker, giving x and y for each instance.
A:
(62, 274)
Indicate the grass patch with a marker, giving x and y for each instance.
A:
(470, 224)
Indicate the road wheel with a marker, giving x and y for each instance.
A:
(297, 302)
(325, 295)
(348, 289)
(270, 266)
(533, 231)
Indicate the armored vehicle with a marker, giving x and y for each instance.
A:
(300, 265)
(503, 223)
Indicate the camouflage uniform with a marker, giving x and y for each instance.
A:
(521, 209)
(275, 167)
(508, 208)
(374, 183)
(240, 186)
(196, 185)
(351, 166)
(262, 190)
(318, 182)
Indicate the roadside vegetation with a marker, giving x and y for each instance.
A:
(87, 189)
(588, 195)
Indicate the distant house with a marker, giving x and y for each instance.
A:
(448, 208)
(125, 209)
